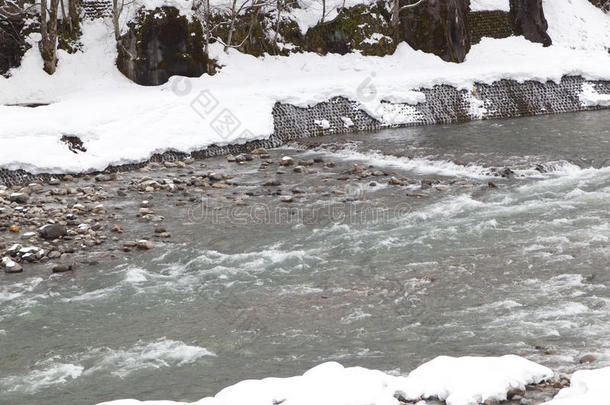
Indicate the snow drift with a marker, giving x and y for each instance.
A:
(458, 381)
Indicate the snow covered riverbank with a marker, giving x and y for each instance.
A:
(121, 122)
(457, 381)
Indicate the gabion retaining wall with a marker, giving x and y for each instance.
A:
(492, 24)
(443, 105)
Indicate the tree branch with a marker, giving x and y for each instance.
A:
(411, 5)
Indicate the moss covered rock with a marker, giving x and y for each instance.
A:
(364, 28)
(159, 44)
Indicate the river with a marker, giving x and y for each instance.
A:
(384, 279)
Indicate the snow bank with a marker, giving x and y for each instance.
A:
(587, 387)
(490, 5)
(472, 380)
(121, 122)
(459, 381)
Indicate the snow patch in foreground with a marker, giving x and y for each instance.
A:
(587, 387)
(458, 381)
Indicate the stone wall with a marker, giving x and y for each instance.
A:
(443, 105)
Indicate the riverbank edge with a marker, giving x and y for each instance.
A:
(443, 105)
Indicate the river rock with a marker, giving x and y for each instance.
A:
(145, 244)
(103, 178)
(14, 249)
(286, 161)
(19, 198)
(10, 266)
(271, 183)
(259, 151)
(62, 268)
(52, 231)
(145, 211)
(215, 176)
(588, 358)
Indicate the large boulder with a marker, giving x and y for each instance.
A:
(528, 20)
(365, 28)
(438, 27)
(159, 44)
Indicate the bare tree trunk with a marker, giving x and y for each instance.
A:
(63, 15)
(323, 10)
(208, 23)
(74, 15)
(48, 31)
(116, 14)
(232, 26)
(395, 20)
(277, 24)
(253, 20)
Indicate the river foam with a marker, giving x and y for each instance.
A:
(121, 362)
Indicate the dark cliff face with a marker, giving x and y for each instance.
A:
(12, 43)
(528, 20)
(439, 27)
(159, 45)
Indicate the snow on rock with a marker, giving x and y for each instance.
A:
(489, 5)
(587, 387)
(473, 380)
(309, 13)
(461, 381)
(121, 122)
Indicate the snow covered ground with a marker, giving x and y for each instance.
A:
(458, 381)
(122, 122)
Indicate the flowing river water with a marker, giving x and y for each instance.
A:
(385, 278)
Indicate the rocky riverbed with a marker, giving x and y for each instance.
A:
(76, 220)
